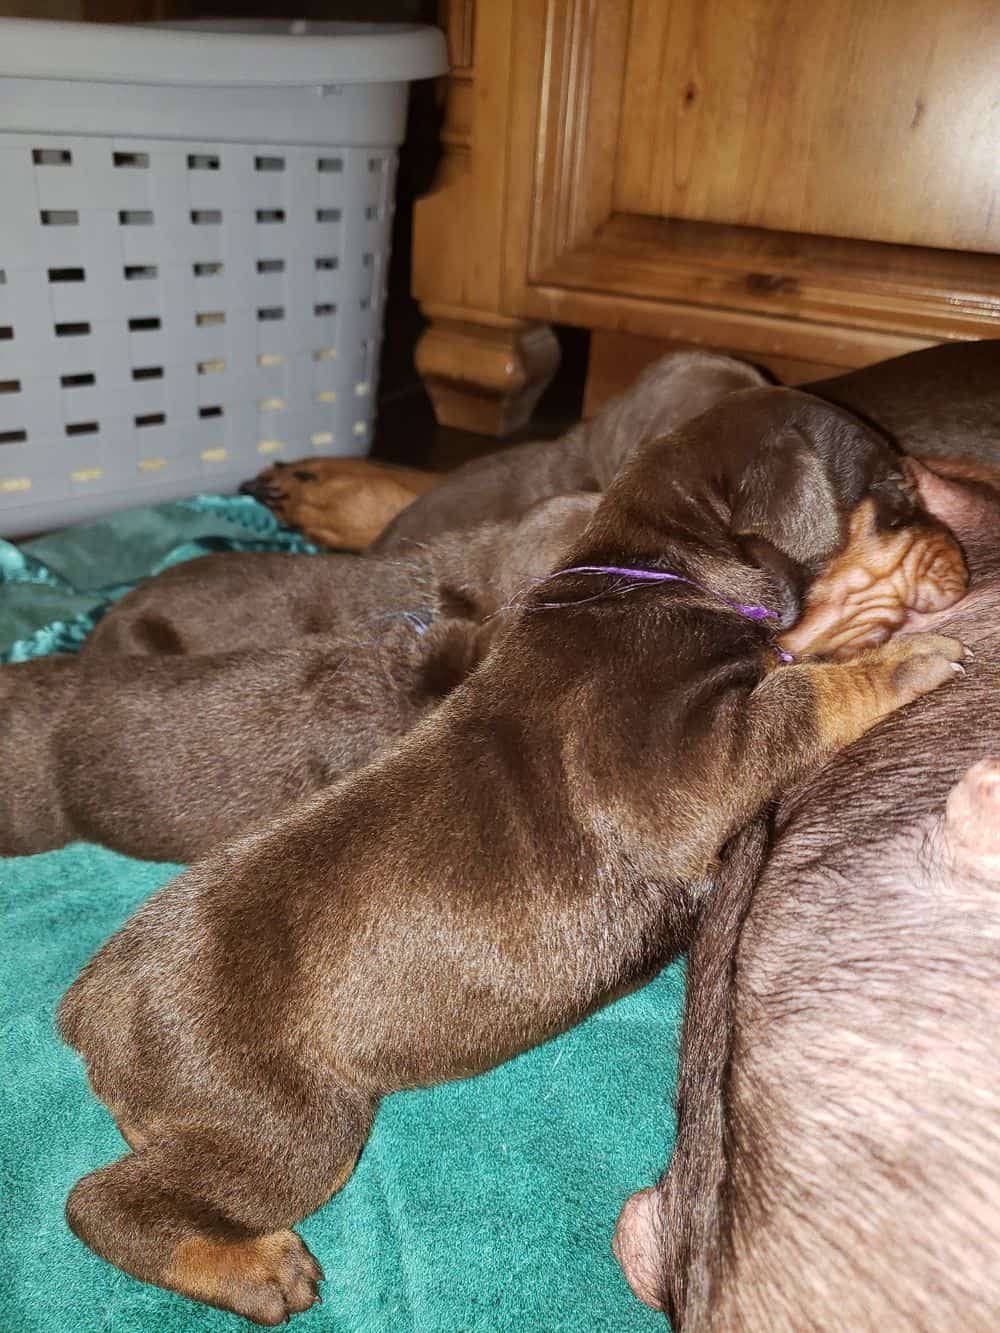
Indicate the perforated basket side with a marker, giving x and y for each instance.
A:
(174, 314)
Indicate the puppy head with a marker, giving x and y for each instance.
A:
(834, 512)
(673, 390)
(834, 515)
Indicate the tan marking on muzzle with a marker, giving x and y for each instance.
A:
(865, 593)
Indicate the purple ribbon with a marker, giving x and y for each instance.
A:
(750, 611)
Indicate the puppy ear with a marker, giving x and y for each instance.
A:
(789, 579)
(786, 499)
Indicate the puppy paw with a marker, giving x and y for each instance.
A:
(284, 487)
(972, 820)
(343, 503)
(916, 664)
(265, 1279)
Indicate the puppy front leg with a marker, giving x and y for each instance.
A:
(812, 709)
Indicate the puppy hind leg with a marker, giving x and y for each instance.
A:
(210, 1216)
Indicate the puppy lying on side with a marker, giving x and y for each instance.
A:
(941, 400)
(168, 757)
(241, 599)
(532, 847)
(446, 558)
(838, 1149)
(165, 755)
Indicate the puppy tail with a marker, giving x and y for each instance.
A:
(699, 1169)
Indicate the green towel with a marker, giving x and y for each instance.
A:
(483, 1205)
(53, 590)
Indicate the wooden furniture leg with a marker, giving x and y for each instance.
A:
(485, 372)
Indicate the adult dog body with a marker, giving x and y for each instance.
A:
(838, 1147)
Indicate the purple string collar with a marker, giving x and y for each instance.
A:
(748, 610)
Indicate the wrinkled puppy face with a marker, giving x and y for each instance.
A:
(831, 509)
(896, 560)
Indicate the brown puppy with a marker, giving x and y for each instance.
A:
(241, 599)
(678, 387)
(339, 502)
(838, 1157)
(447, 558)
(533, 846)
(942, 400)
(167, 757)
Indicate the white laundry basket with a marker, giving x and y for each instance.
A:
(194, 233)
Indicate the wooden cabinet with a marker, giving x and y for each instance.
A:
(812, 184)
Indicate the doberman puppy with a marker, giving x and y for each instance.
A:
(446, 546)
(536, 844)
(165, 755)
(838, 1149)
(503, 484)
(243, 599)
(941, 400)
(449, 567)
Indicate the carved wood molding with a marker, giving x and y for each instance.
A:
(458, 19)
(581, 253)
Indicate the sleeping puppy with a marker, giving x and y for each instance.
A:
(442, 556)
(535, 845)
(167, 757)
(675, 389)
(940, 400)
(252, 727)
(240, 599)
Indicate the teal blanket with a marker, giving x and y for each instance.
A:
(481, 1205)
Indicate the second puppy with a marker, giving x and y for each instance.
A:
(240, 599)
(166, 757)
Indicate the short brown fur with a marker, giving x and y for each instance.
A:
(623, 740)
(837, 1159)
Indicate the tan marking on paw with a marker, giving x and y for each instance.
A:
(265, 1279)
